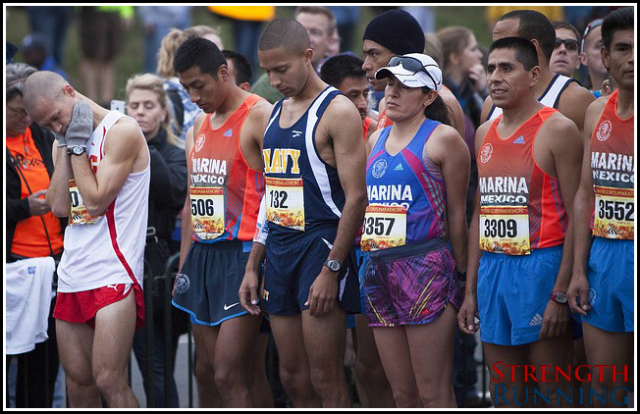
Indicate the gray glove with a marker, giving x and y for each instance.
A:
(61, 139)
(81, 126)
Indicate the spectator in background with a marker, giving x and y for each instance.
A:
(591, 58)
(565, 58)
(239, 69)
(32, 230)
(247, 26)
(320, 25)
(34, 53)
(53, 23)
(425, 15)
(206, 32)
(347, 18)
(493, 13)
(147, 103)
(101, 30)
(157, 21)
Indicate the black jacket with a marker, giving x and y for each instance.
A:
(17, 207)
(168, 186)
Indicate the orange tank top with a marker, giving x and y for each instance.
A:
(225, 193)
(521, 206)
(365, 125)
(30, 239)
(613, 168)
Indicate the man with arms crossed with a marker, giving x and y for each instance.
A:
(314, 164)
(603, 270)
(520, 243)
(101, 182)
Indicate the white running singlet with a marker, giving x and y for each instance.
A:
(110, 251)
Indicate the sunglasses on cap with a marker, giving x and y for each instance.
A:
(592, 25)
(570, 44)
(412, 65)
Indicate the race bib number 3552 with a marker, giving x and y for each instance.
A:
(384, 227)
(614, 213)
(207, 212)
(505, 230)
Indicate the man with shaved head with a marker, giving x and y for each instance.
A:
(314, 163)
(101, 183)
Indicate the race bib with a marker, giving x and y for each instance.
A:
(207, 212)
(505, 230)
(79, 214)
(384, 227)
(285, 202)
(614, 213)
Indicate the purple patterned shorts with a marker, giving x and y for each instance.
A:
(410, 285)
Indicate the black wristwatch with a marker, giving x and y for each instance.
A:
(76, 150)
(333, 265)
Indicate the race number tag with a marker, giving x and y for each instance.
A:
(285, 202)
(207, 212)
(614, 213)
(79, 213)
(505, 230)
(384, 227)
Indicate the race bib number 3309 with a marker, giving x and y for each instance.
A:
(505, 230)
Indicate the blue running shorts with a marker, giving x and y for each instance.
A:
(611, 292)
(513, 293)
(207, 287)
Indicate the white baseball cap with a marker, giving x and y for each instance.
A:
(414, 70)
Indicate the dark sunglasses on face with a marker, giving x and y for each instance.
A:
(411, 64)
(570, 44)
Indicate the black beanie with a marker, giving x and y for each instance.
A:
(396, 30)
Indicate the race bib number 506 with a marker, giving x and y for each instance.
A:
(207, 212)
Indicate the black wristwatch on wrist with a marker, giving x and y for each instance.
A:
(333, 265)
(76, 150)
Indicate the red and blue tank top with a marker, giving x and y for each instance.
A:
(613, 168)
(521, 206)
(225, 192)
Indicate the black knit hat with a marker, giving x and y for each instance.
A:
(396, 30)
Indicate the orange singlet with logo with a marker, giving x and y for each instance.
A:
(225, 193)
(613, 168)
(521, 206)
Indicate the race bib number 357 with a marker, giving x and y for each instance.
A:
(505, 230)
(614, 213)
(384, 227)
(207, 212)
(285, 202)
